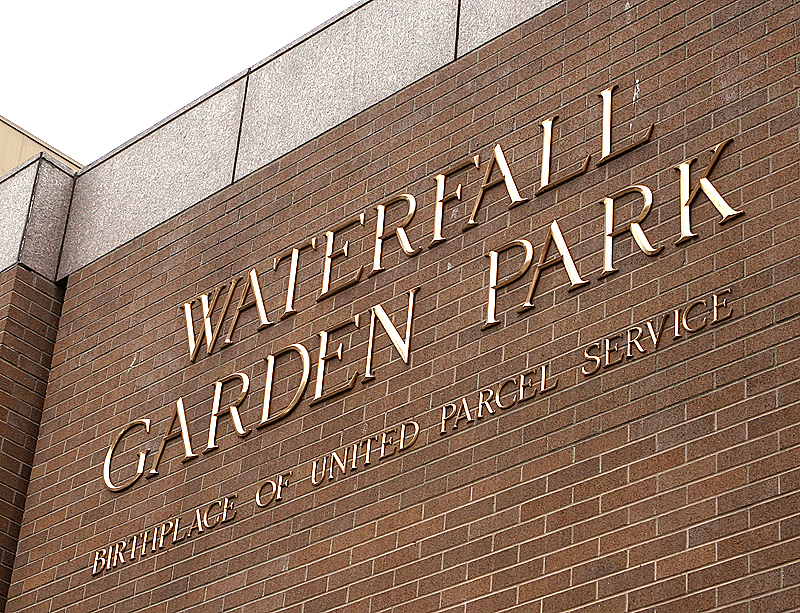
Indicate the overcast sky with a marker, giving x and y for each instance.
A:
(86, 76)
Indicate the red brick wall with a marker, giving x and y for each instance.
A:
(29, 310)
(667, 482)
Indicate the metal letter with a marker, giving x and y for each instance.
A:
(494, 285)
(205, 331)
(232, 409)
(499, 159)
(442, 199)
(403, 346)
(708, 189)
(180, 415)
(591, 358)
(547, 142)
(553, 236)
(403, 443)
(634, 227)
(258, 302)
(402, 237)
(324, 355)
(266, 418)
(685, 317)
(607, 156)
(99, 558)
(295, 253)
(139, 465)
(721, 303)
(330, 255)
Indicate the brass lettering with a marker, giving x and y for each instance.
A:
(442, 199)
(498, 159)
(183, 433)
(139, 465)
(597, 359)
(314, 480)
(708, 189)
(553, 236)
(721, 304)
(447, 415)
(175, 538)
(402, 346)
(276, 490)
(228, 512)
(634, 340)
(295, 257)
(525, 383)
(232, 409)
(324, 355)
(166, 529)
(266, 418)
(610, 350)
(685, 317)
(207, 512)
(511, 402)
(484, 397)
(386, 442)
(543, 387)
(197, 524)
(208, 309)
(634, 228)
(405, 444)
(283, 481)
(381, 233)
(99, 562)
(547, 143)
(144, 542)
(463, 413)
(607, 156)
(340, 462)
(330, 254)
(261, 502)
(118, 555)
(657, 337)
(494, 284)
(368, 449)
(257, 301)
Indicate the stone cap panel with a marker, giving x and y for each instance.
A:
(355, 62)
(34, 200)
(16, 192)
(480, 20)
(362, 56)
(183, 161)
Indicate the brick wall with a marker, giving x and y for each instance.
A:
(29, 310)
(666, 481)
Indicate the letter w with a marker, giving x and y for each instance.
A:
(206, 329)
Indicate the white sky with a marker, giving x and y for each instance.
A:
(87, 76)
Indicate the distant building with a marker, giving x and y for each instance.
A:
(18, 145)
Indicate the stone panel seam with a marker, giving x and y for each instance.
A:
(458, 29)
(30, 207)
(241, 125)
(169, 119)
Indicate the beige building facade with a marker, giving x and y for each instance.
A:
(18, 146)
